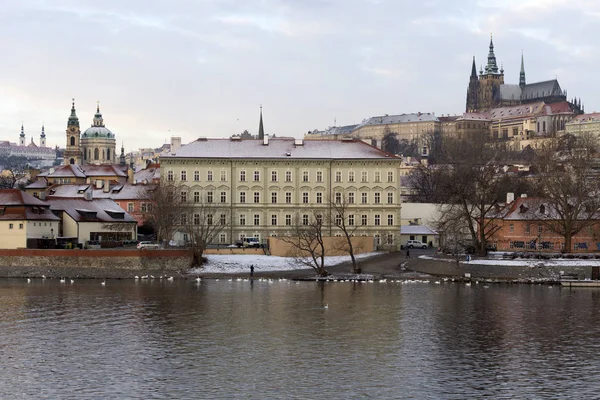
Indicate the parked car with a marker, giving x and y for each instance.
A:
(147, 245)
(416, 243)
(248, 242)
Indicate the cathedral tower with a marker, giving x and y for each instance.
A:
(489, 82)
(72, 153)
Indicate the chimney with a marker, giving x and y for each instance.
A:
(175, 143)
(130, 175)
(106, 186)
(266, 140)
(510, 197)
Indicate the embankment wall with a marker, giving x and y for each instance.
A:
(91, 263)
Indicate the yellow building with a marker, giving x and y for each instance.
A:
(584, 124)
(23, 218)
(269, 184)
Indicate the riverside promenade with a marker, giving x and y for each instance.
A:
(429, 263)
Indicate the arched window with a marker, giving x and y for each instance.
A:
(108, 154)
(103, 157)
(84, 154)
(89, 154)
(72, 161)
(96, 154)
(538, 124)
(544, 126)
(72, 140)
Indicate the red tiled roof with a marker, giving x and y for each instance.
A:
(15, 197)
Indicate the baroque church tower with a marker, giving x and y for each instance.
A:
(72, 153)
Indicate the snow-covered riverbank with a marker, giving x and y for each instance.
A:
(240, 263)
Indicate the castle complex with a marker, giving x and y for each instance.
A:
(488, 90)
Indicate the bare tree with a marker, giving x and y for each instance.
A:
(473, 183)
(427, 182)
(454, 232)
(567, 177)
(202, 222)
(14, 169)
(343, 216)
(164, 208)
(307, 241)
(389, 141)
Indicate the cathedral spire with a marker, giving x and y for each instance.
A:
(22, 131)
(491, 67)
(474, 69)
(43, 134)
(261, 130)
(522, 73)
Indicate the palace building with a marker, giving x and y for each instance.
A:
(268, 184)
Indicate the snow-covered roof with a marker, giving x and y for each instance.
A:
(280, 149)
(97, 210)
(416, 230)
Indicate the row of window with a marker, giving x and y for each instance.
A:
(196, 219)
(223, 237)
(526, 229)
(338, 198)
(351, 177)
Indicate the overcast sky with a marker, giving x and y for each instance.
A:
(195, 68)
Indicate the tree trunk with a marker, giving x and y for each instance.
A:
(568, 246)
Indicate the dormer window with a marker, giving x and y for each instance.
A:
(542, 209)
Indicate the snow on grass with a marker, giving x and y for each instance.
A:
(236, 263)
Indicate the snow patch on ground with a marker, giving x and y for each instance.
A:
(240, 263)
(523, 262)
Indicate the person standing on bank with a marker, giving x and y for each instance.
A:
(251, 270)
(407, 253)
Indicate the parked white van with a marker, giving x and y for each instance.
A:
(147, 245)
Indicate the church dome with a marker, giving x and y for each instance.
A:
(97, 132)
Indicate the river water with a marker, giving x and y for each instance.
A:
(287, 340)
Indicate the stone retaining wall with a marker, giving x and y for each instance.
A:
(91, 263)
(536, 270)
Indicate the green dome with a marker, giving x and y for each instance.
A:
(98, 132)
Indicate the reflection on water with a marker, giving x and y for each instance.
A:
(221, 339)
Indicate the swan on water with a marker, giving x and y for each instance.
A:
(103, 283)
(28, 280)
(170, 279)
